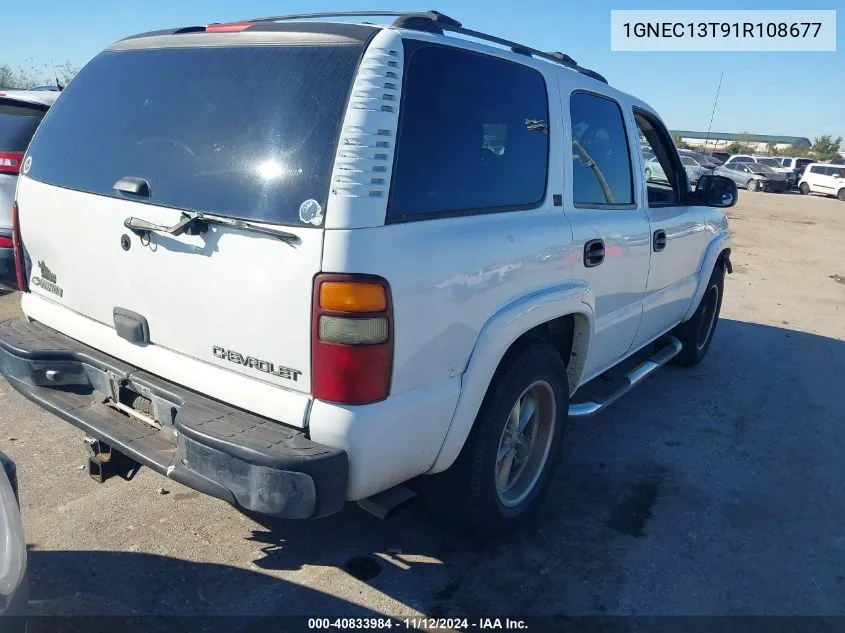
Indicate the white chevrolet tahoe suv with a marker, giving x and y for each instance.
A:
(296, 263)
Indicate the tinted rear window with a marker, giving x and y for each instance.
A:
(18, 122)
(247, 132)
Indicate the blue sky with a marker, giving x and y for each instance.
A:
(796, 94)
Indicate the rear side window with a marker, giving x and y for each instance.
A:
(601, 161)
(247, 132)
(18, 122)
(473, 135)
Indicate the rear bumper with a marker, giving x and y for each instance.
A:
(249, 461)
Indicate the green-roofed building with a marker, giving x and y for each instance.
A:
(718, 140)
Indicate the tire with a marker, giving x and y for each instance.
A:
(751, 185)
(468, 493)
(841, 194)
(804, 188)
(696, 334)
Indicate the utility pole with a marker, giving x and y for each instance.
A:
(712, 114)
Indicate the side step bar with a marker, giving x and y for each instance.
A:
(671, 347)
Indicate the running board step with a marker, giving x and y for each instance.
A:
(669, 348)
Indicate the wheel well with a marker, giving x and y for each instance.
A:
(725, 260)
(569, 335)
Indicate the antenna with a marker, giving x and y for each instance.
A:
(56, 75)
(712, 114)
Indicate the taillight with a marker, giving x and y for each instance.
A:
(6, 242)
(10, 162)
(230, 27)
(18, 246)
(352, 339)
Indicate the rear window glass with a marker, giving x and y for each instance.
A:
(247, 132)
(18, 122)
(474, 135)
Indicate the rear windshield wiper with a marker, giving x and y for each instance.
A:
(195, 223)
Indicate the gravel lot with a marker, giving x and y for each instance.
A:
(716, 490)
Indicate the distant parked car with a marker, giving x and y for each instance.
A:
(702, 159)
(721, 156)
(797, 165)
(836, 161)
(694, 169)
(739, 158)
(20, 113)
(769, 161)
(654, 172)
(824, 178)
(753, 176)
(14, 586)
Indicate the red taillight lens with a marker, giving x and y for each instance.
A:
(10, 162)
(231, 27)
(6, 242)
(352, 348)
(18, 246)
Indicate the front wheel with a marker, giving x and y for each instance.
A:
(696, 334)
(497, 481)
(804, 188)
(841, 194)
(751, 185)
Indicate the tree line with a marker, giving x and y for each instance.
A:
(29, 75)
(824, 147)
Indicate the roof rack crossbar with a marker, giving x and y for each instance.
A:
(434, 21)
(522, 49)
(434, 16)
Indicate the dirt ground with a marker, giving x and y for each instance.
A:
(716, 490)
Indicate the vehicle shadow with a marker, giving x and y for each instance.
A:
(698, 452)
(146, 592)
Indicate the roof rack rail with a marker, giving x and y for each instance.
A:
(436, 22)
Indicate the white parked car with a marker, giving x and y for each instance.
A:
(14, 579)
(303, 298)
(20, 113)
(823, 178)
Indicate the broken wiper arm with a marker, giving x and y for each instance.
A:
(142, 227)
(245, 225)
(196, 223)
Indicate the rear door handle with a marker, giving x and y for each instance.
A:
(658, 242)
(593, 253)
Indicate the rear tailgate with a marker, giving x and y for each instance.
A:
(242, 132)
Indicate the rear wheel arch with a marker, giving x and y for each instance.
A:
(568, 330)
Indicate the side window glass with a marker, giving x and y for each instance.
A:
(601, 162)
(661, 173)
(473, 137)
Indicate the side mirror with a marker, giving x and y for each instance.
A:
(716, 191)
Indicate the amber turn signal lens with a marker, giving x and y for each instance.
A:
(346, 296)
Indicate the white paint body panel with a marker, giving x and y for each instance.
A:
(463, 288)
(234, 289)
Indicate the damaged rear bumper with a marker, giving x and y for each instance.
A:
(252, 462)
